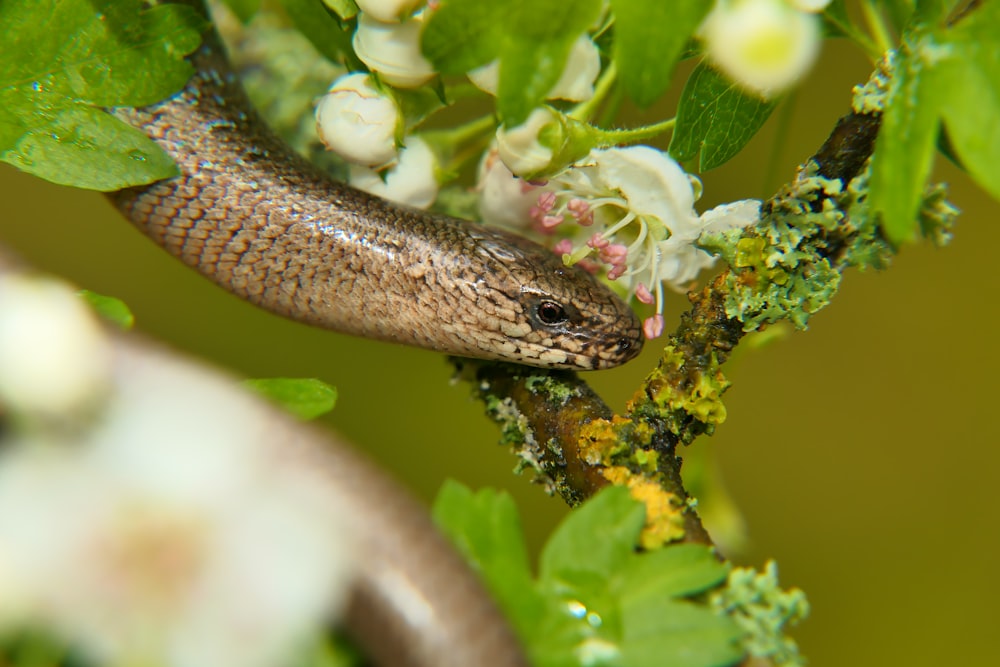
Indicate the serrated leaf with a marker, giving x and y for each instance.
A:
(649, 38)
(306, 398)
(531, 38)
(715, 119)
(112, 309)
(676, 571)
(61, 60)
(595, 539)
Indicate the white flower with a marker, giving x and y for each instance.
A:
(765, 45)
(388, 10)
(178, 530)
(410, 181)
(520, 148)
(393, 50)
(642, 203)
(575, 84)
(812, 6)
(54, 358)
(504, 199)
(357, 121)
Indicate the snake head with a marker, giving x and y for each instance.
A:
(563, 316)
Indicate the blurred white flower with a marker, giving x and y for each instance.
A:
(812, 6)
(640, 204)
(520, 148)
(54, 358)
(576, 83)
(393, 50)
(765, 45)
(177, 530)
(411, 181)
(389, 10)
(356, 121)
(504, 199)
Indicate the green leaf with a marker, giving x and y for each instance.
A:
(62, 59)
(322, 29)
(112, 309)
(345, 9)
(244, 9)
(660, 632)
(649, 38)
(595, 539)
(971, 102)
(306, 398)
(486, 529)
(715, 119)
(531, 38)
(676, 571)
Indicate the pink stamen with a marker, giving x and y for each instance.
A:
(564, 247)
(653, 326)
(643, 294)
(547, 200)
(616, 272)
(597, 242)
(588, 265)
(551, 221)
(614, 253)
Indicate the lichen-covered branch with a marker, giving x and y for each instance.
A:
(787, 267)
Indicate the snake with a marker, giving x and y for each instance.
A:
(267, 225)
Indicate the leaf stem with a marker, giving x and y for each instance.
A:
(877, 26)
(633, 135)
(584, 110)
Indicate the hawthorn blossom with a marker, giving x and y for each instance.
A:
(765, 45)
(175, 530)
(505, 199)
(393, 50)
(631, 210)
(576, 83)
(357, 121)
(411, 181)
(53, 354)
(521, 147)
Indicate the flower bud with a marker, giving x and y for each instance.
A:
(54, 358)
(355, 120)
(765, 45)
(411, 181)
(393, 50)
(521, 148)
(576, 83)
(388, 10)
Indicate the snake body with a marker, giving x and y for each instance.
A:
(270, 227)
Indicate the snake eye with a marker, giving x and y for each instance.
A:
(550, 312)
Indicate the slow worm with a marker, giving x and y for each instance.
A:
(266, 225)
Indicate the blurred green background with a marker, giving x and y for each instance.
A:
(863, 452)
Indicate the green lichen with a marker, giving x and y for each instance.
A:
(617, 442)
(764, 612)
(677, 395)
(789, 266)
(871, 97)
(554, 391)
(516, 433)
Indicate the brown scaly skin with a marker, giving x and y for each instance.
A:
(266, 225)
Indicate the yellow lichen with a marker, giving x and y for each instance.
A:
(664, 511)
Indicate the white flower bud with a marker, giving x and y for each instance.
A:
(388, 10)
(54, 358)
(357, 121)
(412, 181)
(504, 199)
(393, 50)
(766, 45)
(576, 83)
(519, 147)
